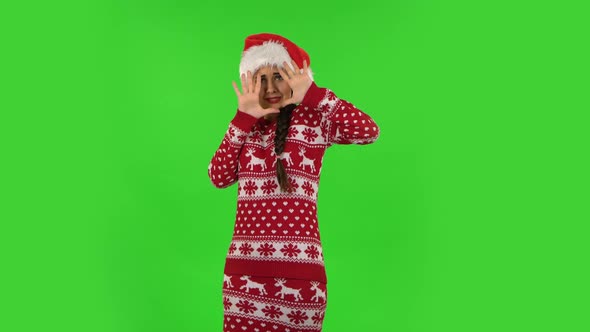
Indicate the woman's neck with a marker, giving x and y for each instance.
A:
(271, 117)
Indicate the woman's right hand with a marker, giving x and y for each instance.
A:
(249, 99)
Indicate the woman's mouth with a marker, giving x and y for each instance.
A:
(273, 100)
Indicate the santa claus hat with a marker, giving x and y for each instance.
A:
(269, 49)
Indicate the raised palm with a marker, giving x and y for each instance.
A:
(298, 79)
(249, 98)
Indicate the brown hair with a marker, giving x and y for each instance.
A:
(280, 137)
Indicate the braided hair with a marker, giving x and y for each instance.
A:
(280, 136)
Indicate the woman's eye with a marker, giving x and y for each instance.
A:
(278, 78)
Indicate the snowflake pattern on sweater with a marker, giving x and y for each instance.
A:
(273, 304)
(276, 234)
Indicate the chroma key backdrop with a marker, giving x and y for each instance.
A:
(469, 213)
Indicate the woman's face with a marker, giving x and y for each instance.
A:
(273, 90)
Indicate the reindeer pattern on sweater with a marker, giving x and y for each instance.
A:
(276, 234)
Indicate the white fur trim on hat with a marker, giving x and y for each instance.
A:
(269, 53)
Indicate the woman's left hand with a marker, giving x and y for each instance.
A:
(298, 80)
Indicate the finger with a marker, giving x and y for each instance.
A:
(257, 84)
(236, 89)
(284, 74)
(288, 69)
(249, 81)
(244, 85)
(305, 67)
(254, 82)
(296, 68)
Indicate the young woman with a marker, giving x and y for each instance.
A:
(275, 278)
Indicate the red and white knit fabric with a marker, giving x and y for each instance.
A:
(262, 304)
(276, 234)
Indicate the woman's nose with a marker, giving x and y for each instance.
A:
(270, 87)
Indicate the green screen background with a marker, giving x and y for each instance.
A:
(469, 213)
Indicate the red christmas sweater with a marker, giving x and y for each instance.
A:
(276, 234)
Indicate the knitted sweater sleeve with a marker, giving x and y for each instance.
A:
(223, 169)
(344, 123)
